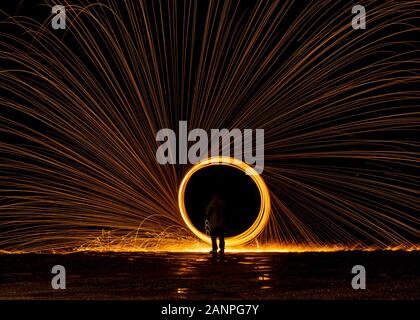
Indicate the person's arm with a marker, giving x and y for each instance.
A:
(209, 208)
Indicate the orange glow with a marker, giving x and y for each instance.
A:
(194, 245)
(197, 246)
(265, 208)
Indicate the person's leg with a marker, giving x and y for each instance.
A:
(213, 235)
(222, 240)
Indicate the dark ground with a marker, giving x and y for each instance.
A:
(390, 275)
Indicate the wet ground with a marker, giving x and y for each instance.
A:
(390, 275)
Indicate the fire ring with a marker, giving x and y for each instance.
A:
(263, 215)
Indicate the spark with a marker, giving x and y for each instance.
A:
(80, 111)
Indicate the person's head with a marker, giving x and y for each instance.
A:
(216, 195)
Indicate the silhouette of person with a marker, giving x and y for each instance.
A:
(215, 215)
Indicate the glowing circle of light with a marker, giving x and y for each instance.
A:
(263, 215)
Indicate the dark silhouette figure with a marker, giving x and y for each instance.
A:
(216, 218)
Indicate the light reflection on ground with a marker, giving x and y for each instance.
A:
(202, 276)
